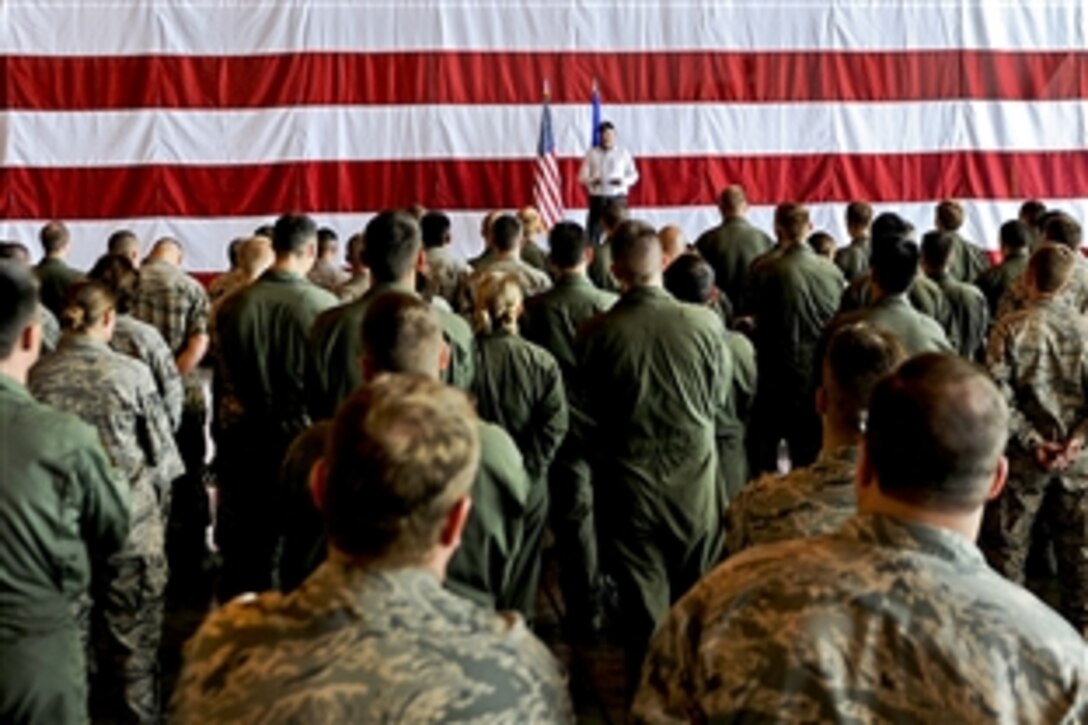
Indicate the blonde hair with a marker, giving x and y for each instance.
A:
(498, 303)
(255, 255)
(87, 303)
(531, 223)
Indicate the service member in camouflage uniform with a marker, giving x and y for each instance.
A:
(506, 239)
(136, 338)
(519, 387)
(552, 320)
(263, 352)
(995, 281)
(732, 246)
(896, 617)
(327, 272)
(817, 499)
(792, 293)
(853, 259)
(371, 636)
(116, 394)
(393, 253)
(1039, 358)
(654, 374)
(1062, 229)
(969, 315)
(447, 276)
(63, 510)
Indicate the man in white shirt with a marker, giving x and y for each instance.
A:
(607, 173)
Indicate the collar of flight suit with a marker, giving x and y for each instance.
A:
(645, 293)
(10, 387)
(896, 533)
(77, 341)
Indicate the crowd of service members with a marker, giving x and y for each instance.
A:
(393, 439)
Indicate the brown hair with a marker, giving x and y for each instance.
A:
(859, 214)
(400, 334)
(858, 356)
(1050, 267)
(498, 302)
(949, 215)
(87, 303)
(120, 276)
(791, 221)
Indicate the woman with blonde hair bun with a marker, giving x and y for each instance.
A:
(116, 394)
(532, 228)
(518, 386)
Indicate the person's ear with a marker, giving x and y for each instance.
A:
(445, 356)
(30, 340)
(1001, 475)
(421, 261)
(109, 318)
(450, 536)
(318, 479)
(588, 254)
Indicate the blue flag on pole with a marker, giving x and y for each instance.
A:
(595, 105)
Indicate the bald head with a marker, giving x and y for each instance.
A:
(166, 249)
(636, 254)
(732, 202)
(673, 243)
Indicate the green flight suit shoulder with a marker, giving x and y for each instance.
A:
(600, 269)
(730, 249)
(552, 319)
(969, 317)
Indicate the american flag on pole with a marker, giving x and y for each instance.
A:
(202, 120)
(548, 184)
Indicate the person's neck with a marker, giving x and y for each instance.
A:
(290, 265)
(59, 256)
(434, 562)
(966, 525)
(15, 369)
(836, 436)
(573, 272)
(657, 282)
(511, 254)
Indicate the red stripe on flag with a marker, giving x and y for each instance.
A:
(335, 186)
(466, 77)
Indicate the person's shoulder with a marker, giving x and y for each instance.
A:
(501, 462)
(62, 430)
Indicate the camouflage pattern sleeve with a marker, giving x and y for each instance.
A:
(1001, 360)
(196, 322)
(105, 516)
(156, 435)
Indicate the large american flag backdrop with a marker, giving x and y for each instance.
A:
(203, 119)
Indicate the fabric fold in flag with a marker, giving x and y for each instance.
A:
(547, 185)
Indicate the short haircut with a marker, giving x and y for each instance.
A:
(791, 221)
(233, 249)
(1050, 267)
(18, 303)
(401, 334)
(354, 252)
(1031, 212)
(391, 246)
(505, 233)
(162, 243)
(822, 243)
(859, 214)
(292, 233)
(326, 240)
(732, 199)
(1015, 235)
(120, 276)
(123, 241)
(87, 302)
(936, 429)
(937, 248)
(690, 279)
(858, 355)
(254, 255)
(54, 237)
(636, 252)
(15, 251)
(949, 215)
(402, 451)
(890, 224)
(606, 126)
(435, 227)
(614, 213)
(265, 230)
(567, 243)
(1060, 228)
(894, 263)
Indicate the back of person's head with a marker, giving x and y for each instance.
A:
(567, 244)
(292, 233)
(890, 224)
(859, 215)
(791, 222)
(15, 251)
(894, 262)
(936, 431)
(232, 250)
(265, 230)
(499, 300)
(435, 227)
(937, 249)
(87, 304)
(402, 453)
(506, 233)
(1015, 236)
(255, 255)
(822, 243)
(120, 277)
(401, 334)
(326, 241)
(690, 279)
(673, 242)
(1050, 268)
(167, 249)
(123, 242)
(532, 225)
(1031, 212)
(353, 255)
(18, 303)
(486, 222)
(732, 201)
(1060, 228)
(949, 215)
(614, 213)
(858, 356)
(54, 237)
(391, 246)
(636, 253)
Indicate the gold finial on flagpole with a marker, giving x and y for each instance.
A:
(547, 89)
